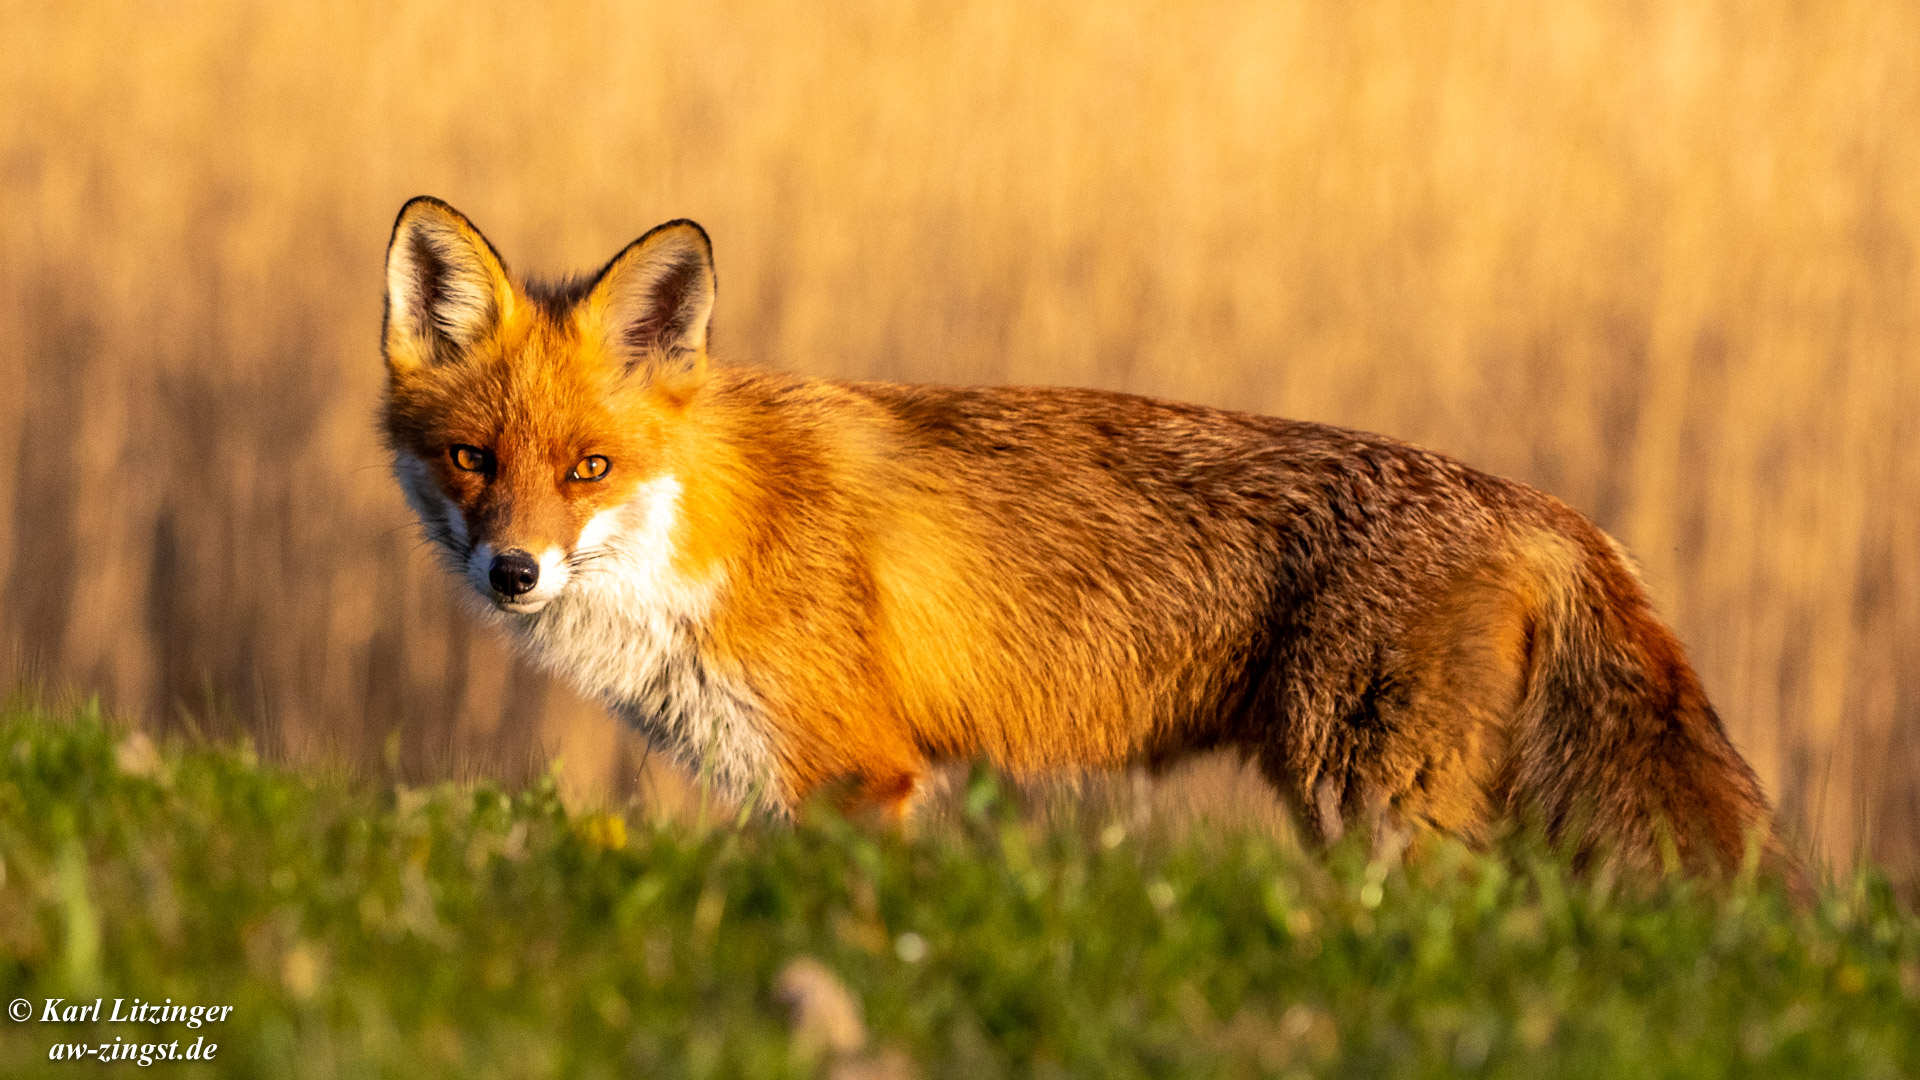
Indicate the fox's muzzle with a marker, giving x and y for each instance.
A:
(513, 573)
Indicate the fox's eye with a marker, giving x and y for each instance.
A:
(590, 468)
(472, 458)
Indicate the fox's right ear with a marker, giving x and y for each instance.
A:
(446, 286)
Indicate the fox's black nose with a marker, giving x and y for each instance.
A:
(513, 572)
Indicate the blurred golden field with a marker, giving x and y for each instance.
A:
(1659, 259)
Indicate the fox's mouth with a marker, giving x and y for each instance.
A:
(516, 606)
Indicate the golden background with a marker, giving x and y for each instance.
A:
(1658, 259)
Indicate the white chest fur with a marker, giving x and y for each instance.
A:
(628, 628)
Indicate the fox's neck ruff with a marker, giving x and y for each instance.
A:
(628, 630)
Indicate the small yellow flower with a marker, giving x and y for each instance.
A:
(607, 831)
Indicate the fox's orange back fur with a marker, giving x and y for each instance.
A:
(794, 581)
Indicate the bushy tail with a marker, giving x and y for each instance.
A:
(1617, 752)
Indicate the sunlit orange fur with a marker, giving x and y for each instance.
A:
(873, 578)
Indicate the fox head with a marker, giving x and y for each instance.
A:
(523, 420)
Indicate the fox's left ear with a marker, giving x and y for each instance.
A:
(654, 300)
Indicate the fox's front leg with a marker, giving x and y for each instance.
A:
(864, 772)
(893, 794)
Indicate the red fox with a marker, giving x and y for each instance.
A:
(790, 581)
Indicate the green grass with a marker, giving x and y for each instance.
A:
(359, 930)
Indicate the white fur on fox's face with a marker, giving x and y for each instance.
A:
(446, 526)
(444, 523)
(636, 536)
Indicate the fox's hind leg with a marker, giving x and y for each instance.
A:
(1423, 747)
(1463, 663)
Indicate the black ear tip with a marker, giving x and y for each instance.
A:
(417, 204)
(687, 230)
(420, 204)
